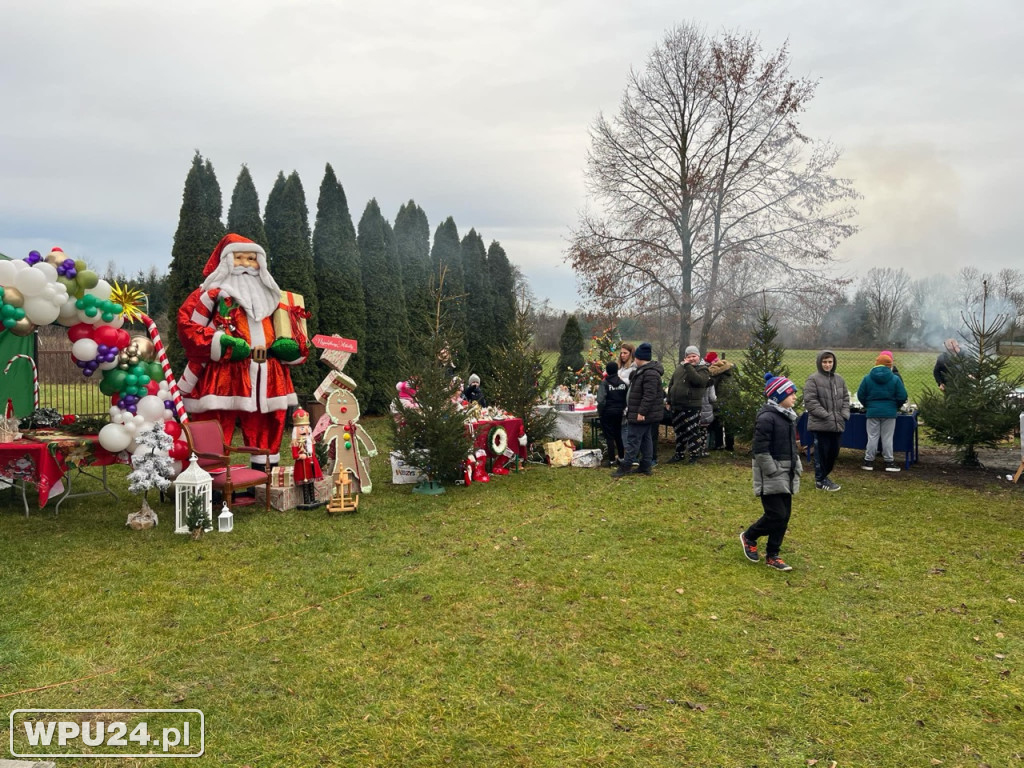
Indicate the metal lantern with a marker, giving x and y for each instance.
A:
(225, 520)
(193, 481)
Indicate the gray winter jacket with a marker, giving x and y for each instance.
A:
(826, 398)
(776, 461)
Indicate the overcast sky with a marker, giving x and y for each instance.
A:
(482, 114)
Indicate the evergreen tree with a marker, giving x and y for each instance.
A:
(199, 230)
(570, 352)
(394, 267)
(412, 238)
(480, 335)
(519, 382)
(977, 407)
(339, 275)
(290, 258)
(432, 434)
(446, 254)
(244, 214)
(151, 466)
(384, 326)
(503, 291)
(763, 355)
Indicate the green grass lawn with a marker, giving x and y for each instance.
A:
(551, 618)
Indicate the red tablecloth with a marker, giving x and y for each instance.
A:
(513, 427)
(42, 457)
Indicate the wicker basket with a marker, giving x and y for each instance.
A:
(9, 430)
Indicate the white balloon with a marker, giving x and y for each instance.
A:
(152, 407)
(7, 272)
(132, 446)
(108, 366)
(142, 422)
(83, 349)
(178, 467)
(117, 322)
(114, 438)
(20, 265)
(84, 318)
(130, 426)
(30, 282)
(48, 270)
(41, 310)
(168, 414)
(68, 312)
(115, 413)
(101, 290)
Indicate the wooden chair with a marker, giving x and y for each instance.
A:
(206, 440)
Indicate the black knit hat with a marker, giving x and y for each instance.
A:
(611, 368)
(643, 352)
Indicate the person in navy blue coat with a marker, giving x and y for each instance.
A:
(882, 394)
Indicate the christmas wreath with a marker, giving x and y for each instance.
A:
(497, 441)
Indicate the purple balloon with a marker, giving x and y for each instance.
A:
(168, 405)
(131, 409)
(101, 348)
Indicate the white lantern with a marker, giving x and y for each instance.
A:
(225, 520)
(193, 481)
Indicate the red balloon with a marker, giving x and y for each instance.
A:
(115, 399)
(123, 337)
(173, 429)
(80, 331)
(153, 387)
(179, 450)
(104, 334)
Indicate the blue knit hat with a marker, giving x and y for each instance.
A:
(778, 388)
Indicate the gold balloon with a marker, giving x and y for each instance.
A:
(54, 259)
(144, 348)
(23, 327)
(13, 297)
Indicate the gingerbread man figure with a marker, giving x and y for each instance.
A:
(346, 433)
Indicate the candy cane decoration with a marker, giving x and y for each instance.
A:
(35, 376)
(154, 336)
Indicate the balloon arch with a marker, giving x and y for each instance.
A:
(134, 371)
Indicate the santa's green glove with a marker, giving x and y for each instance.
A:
(233, 348)
(285, 349)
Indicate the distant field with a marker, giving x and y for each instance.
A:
(852, 365)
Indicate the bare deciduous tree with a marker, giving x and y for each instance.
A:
(705, 163)
(886, 290)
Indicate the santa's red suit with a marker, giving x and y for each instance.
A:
(219, 325)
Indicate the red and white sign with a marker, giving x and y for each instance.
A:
(336, 343)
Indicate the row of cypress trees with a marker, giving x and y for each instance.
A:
(374, 283)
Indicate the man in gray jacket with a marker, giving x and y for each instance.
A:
(827, 402)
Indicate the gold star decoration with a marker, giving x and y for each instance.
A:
(132, 300)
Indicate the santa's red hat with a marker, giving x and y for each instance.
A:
(231, 243)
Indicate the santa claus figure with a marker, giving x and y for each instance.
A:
(237, 370)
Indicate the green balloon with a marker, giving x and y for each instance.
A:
(116, 376)
(80, 266)
(156, 371)
(107, 386)
(91, 311)
(88, 279)
(9, 322)
(6, 311)
(143, 380)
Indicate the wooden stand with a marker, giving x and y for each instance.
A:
(1020, 469)
(342, 499)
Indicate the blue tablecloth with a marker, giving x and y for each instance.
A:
(856, 435)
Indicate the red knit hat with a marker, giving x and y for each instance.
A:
(710, 357)
(231, 243)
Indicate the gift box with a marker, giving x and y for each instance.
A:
(290, 317)
(282, 477)
(283, 499)
(588, 458)
(335, 358)
(402, 472)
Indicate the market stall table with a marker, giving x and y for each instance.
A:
(43, 457)
(569, 424)
(856, 435)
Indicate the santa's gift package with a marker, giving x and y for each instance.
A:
(285, 497)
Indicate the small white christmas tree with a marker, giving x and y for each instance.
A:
(153, 468)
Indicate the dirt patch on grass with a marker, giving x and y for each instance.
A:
(937, 464)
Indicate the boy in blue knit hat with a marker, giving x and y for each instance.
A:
(777, 470)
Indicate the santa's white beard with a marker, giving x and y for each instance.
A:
(256, 292)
